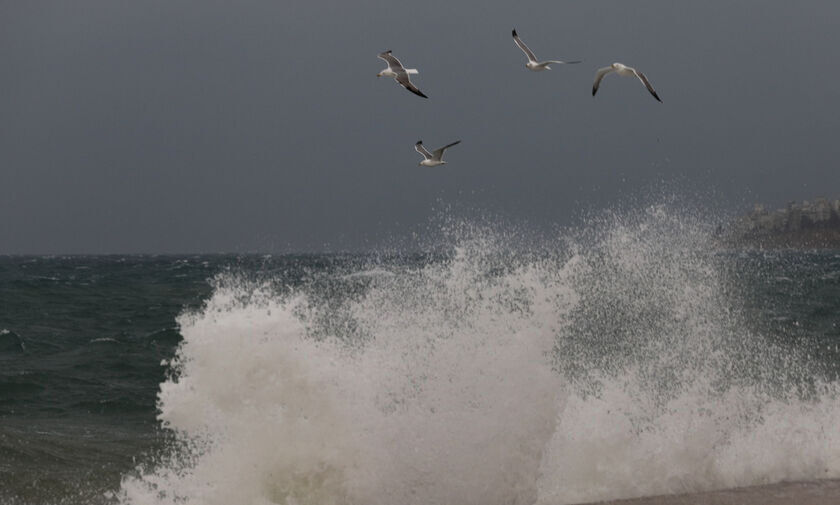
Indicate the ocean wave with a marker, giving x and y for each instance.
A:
(615, 363)
(11, 341)
(103, 340)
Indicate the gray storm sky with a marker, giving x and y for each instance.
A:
(209, 126)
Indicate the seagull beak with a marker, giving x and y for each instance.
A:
(379, 74)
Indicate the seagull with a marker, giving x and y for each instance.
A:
(624, 70)
(399, 73)
(533, 64)
(435, 158)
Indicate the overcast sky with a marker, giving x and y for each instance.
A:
(210, 126)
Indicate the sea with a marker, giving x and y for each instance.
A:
(630, 356)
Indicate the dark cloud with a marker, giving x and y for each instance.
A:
(217, 126)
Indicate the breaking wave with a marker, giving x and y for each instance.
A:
(612, 362)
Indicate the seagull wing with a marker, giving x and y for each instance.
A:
(524, 48)
(561, 62)
(598, 76)
(402, 78)
(645, 81)
(393, 63)
(438, 153)
(422, 150)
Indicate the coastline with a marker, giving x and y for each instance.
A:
(813, 492)
(826, 239)
(806, 225)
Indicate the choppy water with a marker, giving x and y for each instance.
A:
(627, 358)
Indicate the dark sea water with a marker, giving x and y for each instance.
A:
(82, 339)
(633, 361)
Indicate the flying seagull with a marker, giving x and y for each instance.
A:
(624, 70)
(533, 64)
(399, 73)
(434, 158)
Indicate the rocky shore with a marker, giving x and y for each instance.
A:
(810, 225)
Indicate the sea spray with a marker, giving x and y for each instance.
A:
(253, 404)
(674, 391)
(613, 362)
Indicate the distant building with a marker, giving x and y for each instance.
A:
(810, 224)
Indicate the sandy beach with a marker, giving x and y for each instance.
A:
(820, 492)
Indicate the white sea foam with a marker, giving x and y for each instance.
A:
(616, 366)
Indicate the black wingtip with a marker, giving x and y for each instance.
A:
(594, 91)
(413, 89)
(656, 96)
(419, 143)
(514, 32)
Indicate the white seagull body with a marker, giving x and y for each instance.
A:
(533, 64)
(625, 71)
(434, 158)
(399, 73)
